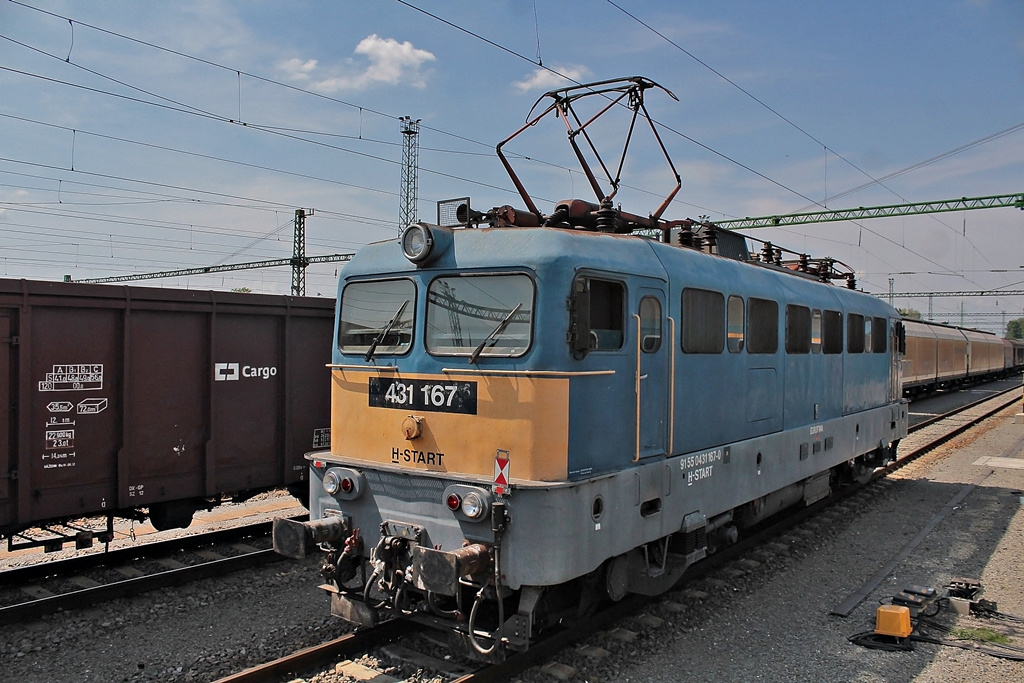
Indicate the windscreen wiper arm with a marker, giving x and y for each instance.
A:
(494, 333)
(384, 333)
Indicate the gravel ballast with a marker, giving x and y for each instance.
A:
(781, 630)
(192, 633)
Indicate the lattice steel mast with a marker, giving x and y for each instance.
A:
(407, 213)
(299, 261)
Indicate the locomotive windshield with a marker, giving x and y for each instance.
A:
(480, 315)
(377, 317)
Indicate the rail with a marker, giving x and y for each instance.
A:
(173, 575)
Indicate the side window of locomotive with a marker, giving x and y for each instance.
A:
(650, 324)
(762, 326)
(703, 317)
(606, 315)
(832, 324)
(377, 315)
(816, 331)
(855, 334)
(480, 315)
(879, 333)
(735, 324)
(596, 316)
(798, 329)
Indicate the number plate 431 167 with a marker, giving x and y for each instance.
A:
(423, 394)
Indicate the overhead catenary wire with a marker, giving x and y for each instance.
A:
(176, 105)
(873, 181)
(661, 124)
(239, 72)
(750, 95)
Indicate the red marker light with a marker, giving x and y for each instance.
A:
(347, 485)
(453, 501)
(319, 464)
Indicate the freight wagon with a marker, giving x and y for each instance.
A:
(125, 401)
(941, 356)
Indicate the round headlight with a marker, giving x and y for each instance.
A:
(473, 505)
(417, 242)
(332, 482)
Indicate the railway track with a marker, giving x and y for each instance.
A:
(44, 588)
(352, 652)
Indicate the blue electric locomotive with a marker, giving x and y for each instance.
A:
(527, 419)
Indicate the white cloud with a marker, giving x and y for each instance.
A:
(298, 70)
(548, 79)
(389, 63)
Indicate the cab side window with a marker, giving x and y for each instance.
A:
(650, 324)
(596, 315)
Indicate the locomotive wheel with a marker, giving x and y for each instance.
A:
(616, 578)
(861, 473)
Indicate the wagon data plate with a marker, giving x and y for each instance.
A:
(423, 394)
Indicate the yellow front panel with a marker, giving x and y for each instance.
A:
(524, 415)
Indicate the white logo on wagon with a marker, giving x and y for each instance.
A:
(223, 372)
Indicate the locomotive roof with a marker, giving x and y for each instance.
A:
(532, 248)
(479, 249)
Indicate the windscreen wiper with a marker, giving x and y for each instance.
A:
(384, 333)
(494, 333)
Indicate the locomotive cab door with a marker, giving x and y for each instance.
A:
(654, 347)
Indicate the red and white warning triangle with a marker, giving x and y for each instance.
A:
(501, 469)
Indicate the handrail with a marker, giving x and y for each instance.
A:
(478, 371)
(672, 390)
(530, 373)
(636, 456)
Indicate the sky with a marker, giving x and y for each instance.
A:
(145, 137)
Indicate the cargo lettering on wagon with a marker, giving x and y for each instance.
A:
(700, 466)
(73, 377)
(231, 372)
(52, 461)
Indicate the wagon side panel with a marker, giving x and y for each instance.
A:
(73, 385)
(167, 408)
(248, 377)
